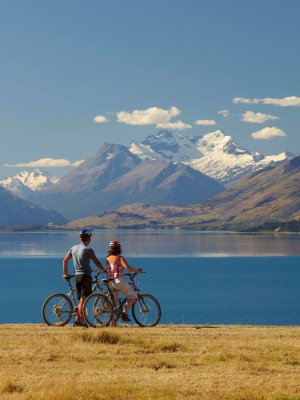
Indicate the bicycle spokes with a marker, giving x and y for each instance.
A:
(146, 311)
(57, 310)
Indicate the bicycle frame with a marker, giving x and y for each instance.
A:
(95, 282)
(71, 294)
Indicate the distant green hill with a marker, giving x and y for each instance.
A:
(289, 226)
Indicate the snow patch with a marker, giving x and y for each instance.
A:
(214, 154)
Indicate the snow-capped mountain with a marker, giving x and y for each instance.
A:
(214, 154)
(24, 183)
(114, 177)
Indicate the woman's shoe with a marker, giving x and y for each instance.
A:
(125, 317)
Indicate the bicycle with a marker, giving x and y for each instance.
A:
(100, 309)
(59, 308)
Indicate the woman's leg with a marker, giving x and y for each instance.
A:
(128, 305)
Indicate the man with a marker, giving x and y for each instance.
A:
(81, 254)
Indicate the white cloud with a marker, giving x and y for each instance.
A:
(224, 113)
(150, 116)
(258, 118)
(291, 101)
(242, 100)
(268, 133)
(100, 119)
(174, 125)
(205, 122)
(159, 117)
(46, 163)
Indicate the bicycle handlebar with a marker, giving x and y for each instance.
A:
(67, 277)
(133, 274)
(98, 272)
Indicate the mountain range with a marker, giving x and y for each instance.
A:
(115, 177)
(214, 154)
(166, 180)
(272, 194)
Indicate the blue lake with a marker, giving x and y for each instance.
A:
(198, 278)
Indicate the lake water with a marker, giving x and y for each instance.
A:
(199, 278)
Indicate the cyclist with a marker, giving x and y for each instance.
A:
(115, 273)
(81, 254)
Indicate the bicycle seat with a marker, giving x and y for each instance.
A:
(106, 281)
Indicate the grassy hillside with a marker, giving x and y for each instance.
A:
(166, 362)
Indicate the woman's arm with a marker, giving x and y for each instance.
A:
(127, 266)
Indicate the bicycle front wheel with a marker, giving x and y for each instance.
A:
(146, 311)
(98, 311)
(57, 310)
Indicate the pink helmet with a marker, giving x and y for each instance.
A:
(114, 243)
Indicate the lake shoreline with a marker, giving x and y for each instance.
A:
(144, 229)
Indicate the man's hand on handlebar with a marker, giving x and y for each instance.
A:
(67, 276)
(139, 271)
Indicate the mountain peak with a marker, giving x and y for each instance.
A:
(218, 134)
(25, 182)
(214, 154)
(109, 152)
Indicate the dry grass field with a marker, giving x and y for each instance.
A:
(166, 362)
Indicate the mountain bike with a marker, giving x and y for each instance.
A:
(100, 308)
(59, 308)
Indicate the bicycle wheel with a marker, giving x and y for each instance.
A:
(57, 310)
(146, 311)
(98, 311)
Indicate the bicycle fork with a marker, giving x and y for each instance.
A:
(143, 306)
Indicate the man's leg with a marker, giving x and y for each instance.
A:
(79, 313)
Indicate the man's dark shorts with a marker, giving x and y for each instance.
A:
(83, 285)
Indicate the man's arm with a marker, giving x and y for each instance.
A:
(98, 264)
(65, 263)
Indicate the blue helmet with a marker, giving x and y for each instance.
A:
(85, 233)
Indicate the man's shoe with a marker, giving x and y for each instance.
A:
(125, 317)
(77, 323)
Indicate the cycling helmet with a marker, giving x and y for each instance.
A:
(85, 233)
(114, 243)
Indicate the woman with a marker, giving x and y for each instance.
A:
(115, 272)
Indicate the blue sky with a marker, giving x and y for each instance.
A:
(140, 65)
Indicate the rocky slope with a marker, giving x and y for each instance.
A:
(16, 211)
